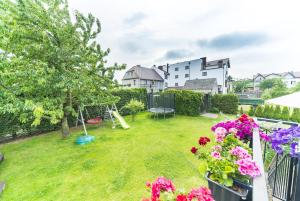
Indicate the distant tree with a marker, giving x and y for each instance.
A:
(277, 112)
(270, 83)
(259, 111)
(240, 86)
(285, 114)
(50, 63)
(296, 88)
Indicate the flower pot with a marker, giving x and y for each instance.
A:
(223, 193)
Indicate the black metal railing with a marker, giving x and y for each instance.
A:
(283, 171)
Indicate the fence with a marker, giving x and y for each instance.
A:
(283, 172)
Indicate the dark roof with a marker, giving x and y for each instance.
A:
(294, 74)
(216, 62)
(201, 84)
(143, 73)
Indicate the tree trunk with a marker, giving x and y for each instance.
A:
(65, 130)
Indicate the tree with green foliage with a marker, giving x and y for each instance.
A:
(251, 111)
(134, 106)
(259, 111)
(277, 112)
(240, 85)
(296, 115)
(50, 64)
(285, 114)
(271, 83)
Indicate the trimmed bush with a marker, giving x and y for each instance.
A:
(126, 95)
(296, 115)
(187, 102)
(251, 111)
(227, 103)
(134, 106)
(285, 115)
(268, 111)
(277, 112)
(259, 111)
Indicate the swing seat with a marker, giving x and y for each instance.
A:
(96, 120)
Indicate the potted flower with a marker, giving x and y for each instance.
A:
(229, 164)
(163, 189)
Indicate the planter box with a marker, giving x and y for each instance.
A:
(223, 193)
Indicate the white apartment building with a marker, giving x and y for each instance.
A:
(177, 74)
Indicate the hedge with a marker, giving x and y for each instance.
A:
(275, 112)
(226, 103)
(187, 102)
(126, 95)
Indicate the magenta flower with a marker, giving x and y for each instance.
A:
(200, 194)
(161, 185)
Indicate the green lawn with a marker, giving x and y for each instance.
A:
(115, 167)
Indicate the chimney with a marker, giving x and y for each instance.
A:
(203, 63)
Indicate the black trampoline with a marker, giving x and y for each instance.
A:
(161, 104)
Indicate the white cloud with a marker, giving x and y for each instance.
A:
(144, 31)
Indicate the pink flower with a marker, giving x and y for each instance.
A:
(200, 194)
(216, 155)
(248, 167)
(161, 185)
(220, 134)
(240, 152)
(217, 148)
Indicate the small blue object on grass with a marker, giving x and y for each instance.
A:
(84, 139)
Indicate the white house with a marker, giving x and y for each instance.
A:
(141, 77)
(289, 78)
(177, 74)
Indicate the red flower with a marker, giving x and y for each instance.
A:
(194, 150)
(181, 197)
(148, 184)
(203, 141)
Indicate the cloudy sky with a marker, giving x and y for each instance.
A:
(257, 35)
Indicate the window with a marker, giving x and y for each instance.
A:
(187, 67)
(134, 82)
(166, 84)
(204, 73)
(186, 75)
(176, 69)
(176, 84)
(176, 76)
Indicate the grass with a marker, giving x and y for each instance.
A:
(115, 167)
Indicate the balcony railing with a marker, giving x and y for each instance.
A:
(260, 190)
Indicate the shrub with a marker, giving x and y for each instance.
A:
(251, 111)
(134, 106)
(227, 103)
(268, 111)
(285, 115)
(259, 111)
(126, 95)
(296, 115)
(214, 110)
(277, 112)
(187, 102)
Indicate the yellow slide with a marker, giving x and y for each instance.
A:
(121, 120)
